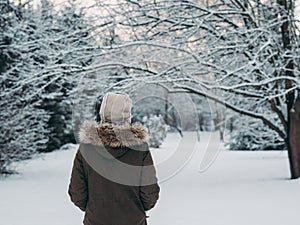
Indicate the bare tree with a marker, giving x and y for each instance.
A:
(242, 54)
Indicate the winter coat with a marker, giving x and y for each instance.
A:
(108, 194)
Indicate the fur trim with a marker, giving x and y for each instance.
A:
(112, 135)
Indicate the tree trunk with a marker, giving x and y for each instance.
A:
(293, 108)
(294, 141)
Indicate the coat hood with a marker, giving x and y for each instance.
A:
(112, 135)
(115, 107)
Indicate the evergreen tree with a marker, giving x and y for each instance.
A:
(42, 53)
(23, 122)
(70, 42)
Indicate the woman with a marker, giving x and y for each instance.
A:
(113, 178)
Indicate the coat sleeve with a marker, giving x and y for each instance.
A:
(149, 189)
(78, 188)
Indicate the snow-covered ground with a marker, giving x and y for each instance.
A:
(239, 188)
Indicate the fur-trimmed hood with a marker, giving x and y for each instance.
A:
(112, 135)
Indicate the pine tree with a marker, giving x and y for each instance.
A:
(69, 49)
(23, 122)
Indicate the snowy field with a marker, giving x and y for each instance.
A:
(239, 188)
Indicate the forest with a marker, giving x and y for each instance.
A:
(236, 61)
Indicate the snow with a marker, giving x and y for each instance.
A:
(238, 188)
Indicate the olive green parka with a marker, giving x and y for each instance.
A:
(113, 178)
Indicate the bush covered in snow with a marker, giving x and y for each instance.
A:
(251, 134)
(157, 130)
